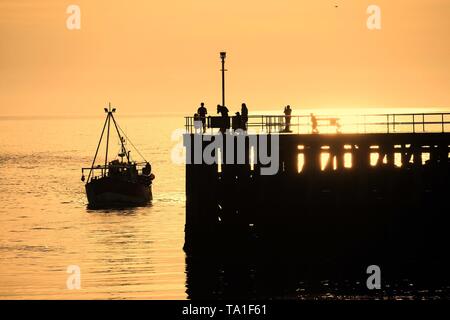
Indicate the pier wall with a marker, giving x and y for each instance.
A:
(370, 196)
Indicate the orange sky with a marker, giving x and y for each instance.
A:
(162, 56)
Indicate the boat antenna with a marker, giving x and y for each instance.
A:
(120, 137)
(128, 139)
(223, 55)
(108, 117)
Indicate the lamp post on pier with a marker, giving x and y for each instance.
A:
(223, 55)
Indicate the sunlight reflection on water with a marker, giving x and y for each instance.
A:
(130, 253)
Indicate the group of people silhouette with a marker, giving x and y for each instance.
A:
(239, 120)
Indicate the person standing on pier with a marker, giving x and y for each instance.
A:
(244, 116)
(287, 118)
(225, 120)
(237, 121)
(202, 112)
(314, 124)
(222, 110)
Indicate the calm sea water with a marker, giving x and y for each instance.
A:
(45, 225)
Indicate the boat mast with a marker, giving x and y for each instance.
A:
(98, 147)
(109, 111)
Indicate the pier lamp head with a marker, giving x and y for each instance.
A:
(106, 110)
(223, 55)
(113, 110)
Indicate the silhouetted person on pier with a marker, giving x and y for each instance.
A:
(197, 123)
(222, 110)
(314, 124)
(287, 118)
(224, 113)
(244, 115)
(202, 112)
(237, 121)
(338, 126)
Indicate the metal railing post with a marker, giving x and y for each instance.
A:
(387, 123)
(423, 122)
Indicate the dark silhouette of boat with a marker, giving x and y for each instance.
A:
(120, 182)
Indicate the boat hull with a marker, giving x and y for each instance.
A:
(107, 192)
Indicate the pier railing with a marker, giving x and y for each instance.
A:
(305, 124)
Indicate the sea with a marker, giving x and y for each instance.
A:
(47, 231)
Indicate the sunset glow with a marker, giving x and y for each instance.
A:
(162, 57)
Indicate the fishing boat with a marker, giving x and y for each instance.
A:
(121, 181)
